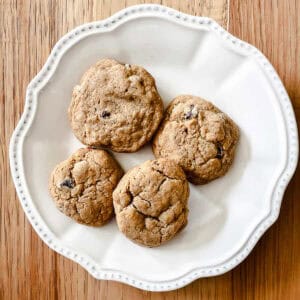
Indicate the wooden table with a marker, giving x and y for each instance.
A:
(28, 268)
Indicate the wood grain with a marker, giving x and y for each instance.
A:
(29, 269)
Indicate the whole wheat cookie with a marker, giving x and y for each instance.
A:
(82, 186)
(151, 202)
(198, 136)
(116, 106)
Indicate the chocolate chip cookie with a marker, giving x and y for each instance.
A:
(151, 202)
(116, 106)
(198, 136)
(82, 186)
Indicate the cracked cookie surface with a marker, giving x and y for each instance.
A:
(151, 202)
(116, 106)
(198, 136)
(82, 186)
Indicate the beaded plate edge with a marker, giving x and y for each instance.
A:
(74, 36)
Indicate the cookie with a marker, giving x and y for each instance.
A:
(115, 106)
(198, 136)
(82, 186)
(151, 202)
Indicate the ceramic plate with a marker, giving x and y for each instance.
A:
(186, 55)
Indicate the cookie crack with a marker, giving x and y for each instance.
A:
(143, 199)
(165, 226)
(77, 210)
(161, 183)
(144, 215)
(99, 215)
(162, 173)
(160, 234)
(81, 194)
(132, 197)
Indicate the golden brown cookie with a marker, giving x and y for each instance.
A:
(82, 186)
(198, 136)
(151, 202)
(115, 106)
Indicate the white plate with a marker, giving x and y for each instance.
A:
(186, 55)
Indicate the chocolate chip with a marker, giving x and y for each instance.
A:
(105, 114)
(69, 183)
(188, 115)
(220, 151)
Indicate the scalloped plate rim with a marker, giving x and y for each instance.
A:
(23, 126)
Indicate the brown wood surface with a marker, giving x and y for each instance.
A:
(28, 268)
